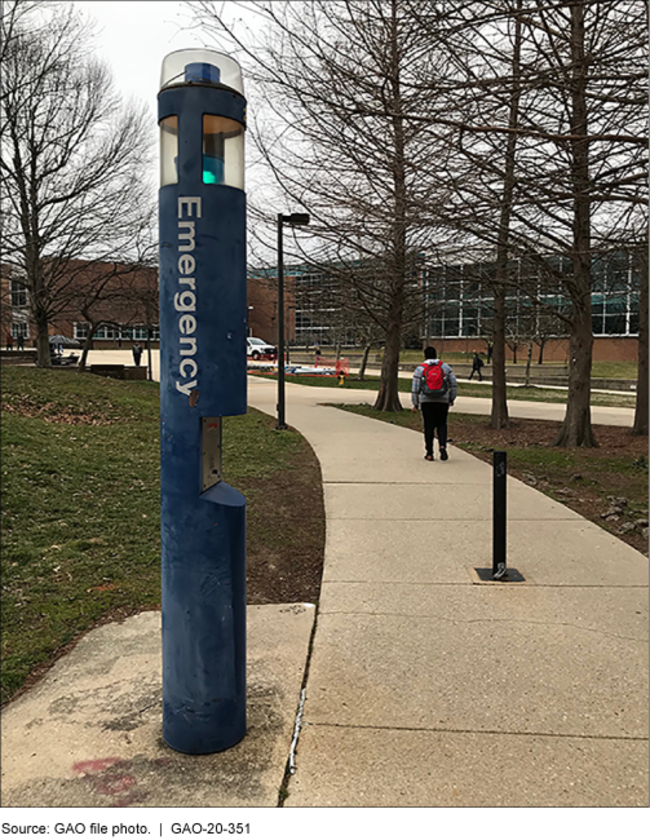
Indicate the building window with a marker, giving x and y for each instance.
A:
(20, 329)
(80, 330)
(139, 332)
(109, 332)
(18, 295)
(136, 332)
(458, 307)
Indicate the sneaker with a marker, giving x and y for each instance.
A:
(428, 457)
(443, 455)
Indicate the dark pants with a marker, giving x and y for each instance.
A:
(434, 416)
(480, 375)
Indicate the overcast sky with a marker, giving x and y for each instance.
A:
(134, 37)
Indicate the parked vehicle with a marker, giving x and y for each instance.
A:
(258, 349)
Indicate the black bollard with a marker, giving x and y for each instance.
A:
(499, 568)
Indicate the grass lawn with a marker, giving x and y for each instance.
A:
(600, 370)
(465, 389)
(81, 509)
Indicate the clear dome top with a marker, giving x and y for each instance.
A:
(201, 66)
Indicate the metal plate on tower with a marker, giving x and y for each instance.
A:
(211, 455)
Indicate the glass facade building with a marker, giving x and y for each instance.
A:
(458, 301)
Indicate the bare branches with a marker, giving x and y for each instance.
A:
(74, 167)
(413, 127)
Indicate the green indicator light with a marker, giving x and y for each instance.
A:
(212, 170)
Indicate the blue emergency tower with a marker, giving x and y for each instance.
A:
(202, 209)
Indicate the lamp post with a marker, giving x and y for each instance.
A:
(294, 220)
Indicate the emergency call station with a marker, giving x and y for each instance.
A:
(202, 221)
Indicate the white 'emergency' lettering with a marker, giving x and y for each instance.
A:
(185, 300)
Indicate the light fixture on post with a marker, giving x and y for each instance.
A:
(294, 220)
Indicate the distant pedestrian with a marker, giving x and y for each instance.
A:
(137, 354)
(10, 341)
(477, 364)
(489, 352)
(433, 392)
(20, 342)
(317, 356)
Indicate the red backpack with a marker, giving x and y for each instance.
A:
(434, 381)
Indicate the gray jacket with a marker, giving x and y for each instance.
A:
(449, 397)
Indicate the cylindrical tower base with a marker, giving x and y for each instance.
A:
(204, 621)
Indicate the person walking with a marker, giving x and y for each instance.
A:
(137, 353)
(433, 392)
(10, 341)
(20, 342)
(477, 364)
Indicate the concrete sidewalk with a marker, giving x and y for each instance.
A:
(89, 734)
(427, 688)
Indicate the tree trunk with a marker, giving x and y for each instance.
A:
(528, 361)
(388, 396)
(364, 362)
(576, 429)
(88, 343)
(42, 340)
(640, 426)
(499, 418)
(540, 359)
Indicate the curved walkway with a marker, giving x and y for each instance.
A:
(428, 688)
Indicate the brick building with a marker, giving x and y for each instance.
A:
(456, 308)
(120, 300)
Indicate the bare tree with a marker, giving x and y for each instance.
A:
(573, 106)
(588, 179)
(499, 417)
(534, 125)
(640, 264)
(113, 295)
(341, 82)
(482, 95)
(74, 162)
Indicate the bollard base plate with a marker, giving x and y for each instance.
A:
(485, 576)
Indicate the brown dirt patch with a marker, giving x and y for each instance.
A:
(285, 533)
(53, 413)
